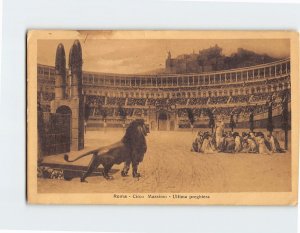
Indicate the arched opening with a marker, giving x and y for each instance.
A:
(64, 110)
(64, 129)
(162, 120)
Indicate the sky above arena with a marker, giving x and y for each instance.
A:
(142, 56)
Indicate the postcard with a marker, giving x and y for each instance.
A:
(162, 117)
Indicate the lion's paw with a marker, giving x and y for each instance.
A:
(136, 175)
(107, 177)
(124, 173)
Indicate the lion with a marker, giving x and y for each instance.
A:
(130, 149)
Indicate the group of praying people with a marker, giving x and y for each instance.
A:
(232, 142)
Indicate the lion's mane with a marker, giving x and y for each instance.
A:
(135, 139)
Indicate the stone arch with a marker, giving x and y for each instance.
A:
(63, 109)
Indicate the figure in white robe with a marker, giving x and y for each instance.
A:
(274, 144)
(207, 147)
(238, 144)
(219, 131)
(249, 145)
(196, 146)
(262, 148)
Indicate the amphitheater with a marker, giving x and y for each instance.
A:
(163, 99)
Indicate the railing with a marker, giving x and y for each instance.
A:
(248, 74)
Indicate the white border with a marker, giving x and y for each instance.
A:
(95, 14)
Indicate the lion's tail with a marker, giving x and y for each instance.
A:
(66, 156)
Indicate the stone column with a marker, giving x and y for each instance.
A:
(60, 73)
(75, 64)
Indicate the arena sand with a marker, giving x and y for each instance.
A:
(170, 166)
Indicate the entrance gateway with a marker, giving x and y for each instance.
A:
(163, 120)
(68, 102)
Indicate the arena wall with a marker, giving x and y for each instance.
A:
(164, 100)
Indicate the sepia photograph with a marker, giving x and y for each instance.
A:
(162, 117)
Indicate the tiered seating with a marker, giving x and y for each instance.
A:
(115, 101)
(136, 101)
(239, 99)
(151, 102)
(223, 111)
(95, 100)
(198, 101)
(162, 101)
(261, 97)
(182, 112)
(218, 100)
(197, 112)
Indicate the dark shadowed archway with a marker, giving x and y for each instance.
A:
(64, 110)
(163, 120)
(64, 128)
